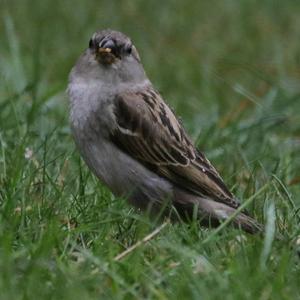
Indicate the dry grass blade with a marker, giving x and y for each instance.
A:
(146, 239)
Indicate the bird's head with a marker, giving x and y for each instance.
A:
(111, 56)
(111, 47)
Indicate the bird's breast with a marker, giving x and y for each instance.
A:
(91, 106)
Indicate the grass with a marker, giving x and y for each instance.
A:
(231, 70)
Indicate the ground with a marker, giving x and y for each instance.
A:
(230, 69)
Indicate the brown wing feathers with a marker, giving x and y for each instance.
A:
(149, 131)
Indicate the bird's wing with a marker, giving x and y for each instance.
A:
(148, 131)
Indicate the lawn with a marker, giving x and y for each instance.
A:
(231, 70)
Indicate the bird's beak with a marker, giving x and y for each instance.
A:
(104, 50)
(105, 56)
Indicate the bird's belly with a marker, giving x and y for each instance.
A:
(122, 174)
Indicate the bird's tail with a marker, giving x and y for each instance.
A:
(212, 213)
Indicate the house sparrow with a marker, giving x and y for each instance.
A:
(133, 142)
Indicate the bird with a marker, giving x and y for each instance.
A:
(134, 143)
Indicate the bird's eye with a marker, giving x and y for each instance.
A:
(128, 49)
(91, 43)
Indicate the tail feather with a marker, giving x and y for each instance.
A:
(213, 213)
